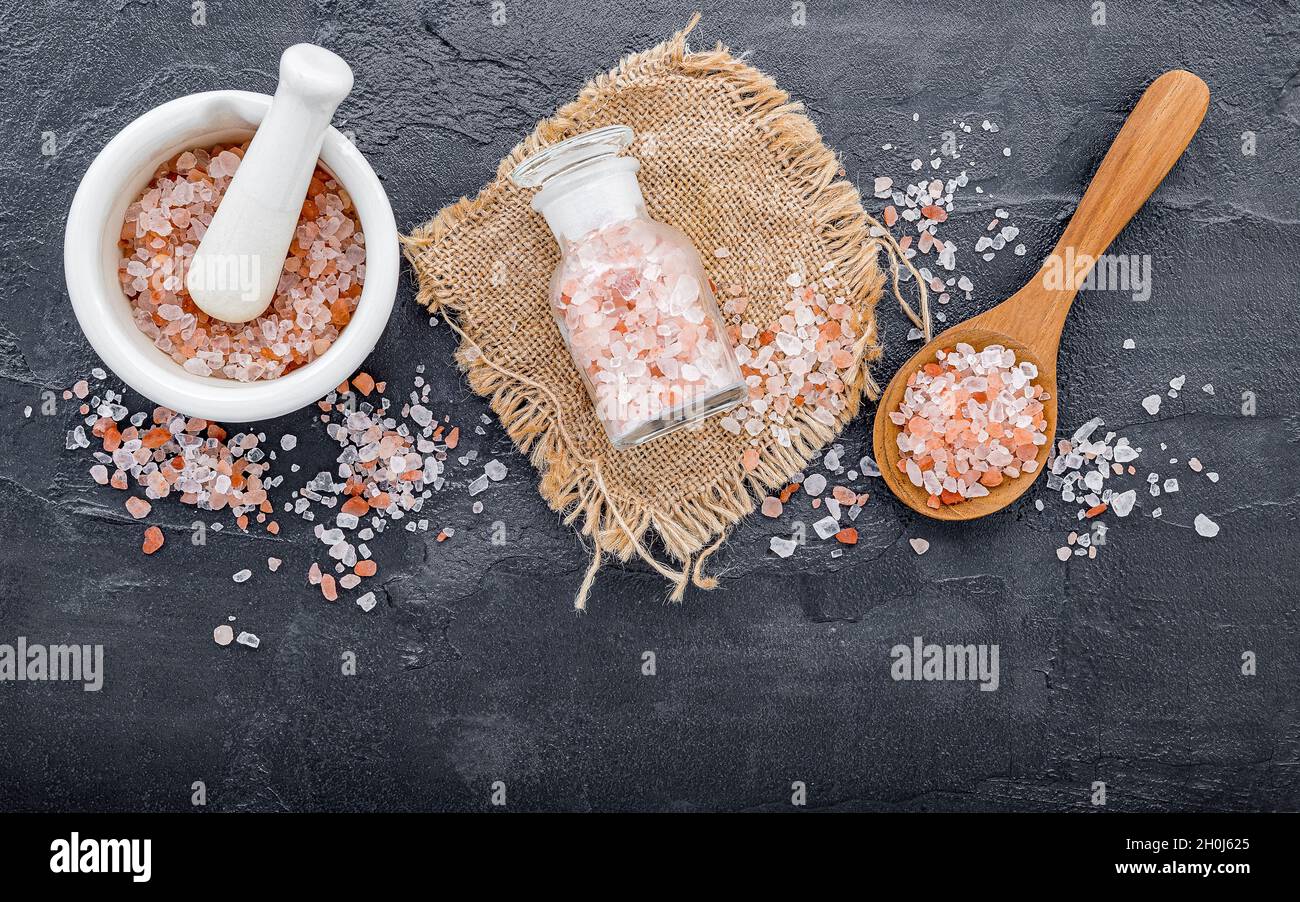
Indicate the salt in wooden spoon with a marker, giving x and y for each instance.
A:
(1030, 321)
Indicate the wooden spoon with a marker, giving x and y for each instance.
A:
(1030, 321)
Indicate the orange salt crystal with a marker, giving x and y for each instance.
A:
(453, 438)
(153, 540)
(788, 491)
(991, 478)
(847, 536)
(216, 432)
(328, 588)
(932, 502)
(749, 460)
(343, 387)
(273, 528)
(844, 494)
(365, 568)
(442, 535)
(356, 506)
(118, 480)
(138, 507)
(934, 212)
(242, 521)
(1094, 511)
(364, 383)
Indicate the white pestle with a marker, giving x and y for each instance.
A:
(238, 263)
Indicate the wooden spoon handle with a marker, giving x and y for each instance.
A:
(1146, 148)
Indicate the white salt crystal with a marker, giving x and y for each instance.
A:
(868, 467)
(248, 639)
(826, 527)
(1129, 344)
(920, 546)
(1171, 485)
(1151, 403)
(495, 470)
(782, 547)
(1205, 526)
(479, 485)
(242, 576)
(1063, 553)
(288, 442)
(367, 601)
(1122, 504)
(815, 484)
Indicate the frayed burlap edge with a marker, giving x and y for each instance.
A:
(532, 415)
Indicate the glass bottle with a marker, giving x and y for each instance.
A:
(630, 295)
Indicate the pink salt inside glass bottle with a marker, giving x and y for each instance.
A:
(630, 295)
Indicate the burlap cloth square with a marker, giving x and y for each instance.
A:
(727, 158)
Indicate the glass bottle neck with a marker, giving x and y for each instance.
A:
(577, 203)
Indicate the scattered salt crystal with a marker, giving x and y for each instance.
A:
(1151, 403)
(495, 470)
(1129, 344)
(868, 466)
(782, 547)
(242, 576)
(479, 485)
(920, 546)
(248, 639)
(1208, 388)
(1213, 477)
(826, 527)
(288, 442)
(1155, 514)
(1177, 383)
(366, 602)
(1063, 553)
(1205, 526)
(1122, 504)
(1171, 485)
(815, 484)
(273, 563)
(223, 635)
(772, 507)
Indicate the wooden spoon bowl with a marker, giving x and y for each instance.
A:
(1030, 321)
(886, 433)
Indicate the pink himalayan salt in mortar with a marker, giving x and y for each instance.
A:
(968, 421)
(318, 290)
(636, 308)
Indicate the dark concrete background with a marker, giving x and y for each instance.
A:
(475, 668)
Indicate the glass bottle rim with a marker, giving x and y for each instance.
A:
(570, 154)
